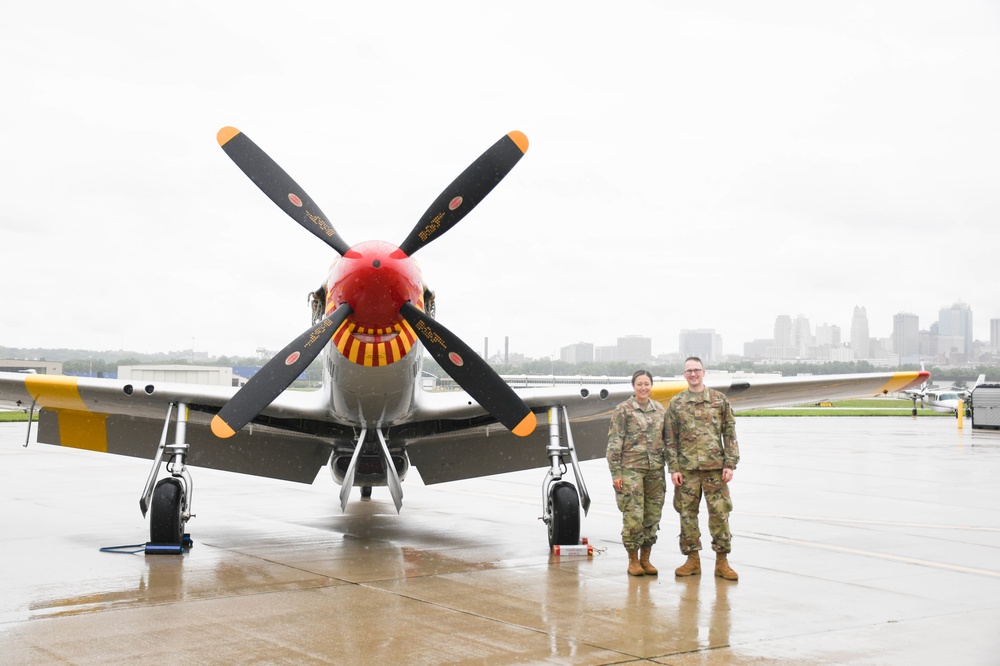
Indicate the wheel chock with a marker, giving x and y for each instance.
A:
(583, 548)
(170, 548)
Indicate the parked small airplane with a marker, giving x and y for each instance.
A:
(372, 419)
(944, 399)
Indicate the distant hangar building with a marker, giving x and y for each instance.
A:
(181, 374)
(32, 367)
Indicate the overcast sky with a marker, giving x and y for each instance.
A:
(691, 165)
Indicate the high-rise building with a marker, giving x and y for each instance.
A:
(827, 335)
(995, 336)
(783, 331)
(700, 342)
(635, 348)
(955, 330)
(860, 338)
(606, 354)
(906, 337)
(802, 337)
(581, 352)
(929, 342)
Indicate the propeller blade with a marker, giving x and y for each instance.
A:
(466, 191)
(471, 372)
(279, 186)
(276, 375)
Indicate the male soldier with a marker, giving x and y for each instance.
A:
(635, 457)
(702, 454)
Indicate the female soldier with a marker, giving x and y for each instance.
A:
(635, 456)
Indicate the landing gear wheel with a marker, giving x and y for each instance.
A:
(564, 514)
(165, 522)
(366, 492)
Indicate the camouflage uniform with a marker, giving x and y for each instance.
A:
(700, 442)
(635, 455)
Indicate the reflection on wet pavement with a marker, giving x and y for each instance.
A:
(852, 542)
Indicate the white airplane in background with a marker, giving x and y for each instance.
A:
(372, 419)
(944, 399)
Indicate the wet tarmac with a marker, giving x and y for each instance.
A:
(857, 541)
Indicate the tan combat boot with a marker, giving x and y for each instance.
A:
(634, 568)
(691, 567)
(722, 568)
(647, 568)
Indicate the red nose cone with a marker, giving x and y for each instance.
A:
(375, 279)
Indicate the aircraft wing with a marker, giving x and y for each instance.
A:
(763, 392)
(126, 418)
(450, 436)
(453, 439)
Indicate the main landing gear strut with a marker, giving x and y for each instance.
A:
(560, 499)
(169, 500)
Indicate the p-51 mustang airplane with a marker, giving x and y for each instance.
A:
(372, 419)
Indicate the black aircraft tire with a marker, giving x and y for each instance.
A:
(564, 510)
(165, 524)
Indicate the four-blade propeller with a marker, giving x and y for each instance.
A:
(466, 367)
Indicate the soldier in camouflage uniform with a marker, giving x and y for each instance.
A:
(635, 456)
(702, 453)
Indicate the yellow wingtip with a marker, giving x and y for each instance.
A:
(226, 134)
(221, 429)
(520, 140)
(526, 426)
(904, 380)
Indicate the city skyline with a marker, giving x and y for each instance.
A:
(496, 347)
(907, 333)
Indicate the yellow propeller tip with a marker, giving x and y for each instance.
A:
(526, 426)
(225, 134)
(520, 140)
(221, 429)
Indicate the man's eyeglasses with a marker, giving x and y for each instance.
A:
(693, 372)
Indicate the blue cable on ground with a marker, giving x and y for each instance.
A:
(125, 550)
(150, 548)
